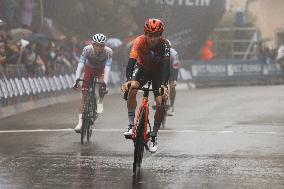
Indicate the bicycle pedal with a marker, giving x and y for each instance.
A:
(128, 136)
(146, 146)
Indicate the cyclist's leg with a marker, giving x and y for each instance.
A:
(101, 91)
(159, 114)
(173, 82)
(158, 117)
(136, 82)
(172, 95)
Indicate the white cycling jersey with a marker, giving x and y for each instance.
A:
(174, 59)
(95, 60)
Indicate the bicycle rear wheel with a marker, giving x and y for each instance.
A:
(86, 119)
(139, 142)
(93, 112)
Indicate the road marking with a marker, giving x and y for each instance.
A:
(161, 131)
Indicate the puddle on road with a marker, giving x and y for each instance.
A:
(162, 171)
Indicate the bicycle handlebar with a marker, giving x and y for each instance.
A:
(98, 82)
(145, 89)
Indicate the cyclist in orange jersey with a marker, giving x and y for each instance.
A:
(149, 60)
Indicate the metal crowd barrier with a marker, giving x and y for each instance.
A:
(17, 86)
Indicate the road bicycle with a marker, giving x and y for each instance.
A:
(142, 128)
(89, 114)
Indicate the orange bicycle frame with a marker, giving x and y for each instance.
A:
(144, 104)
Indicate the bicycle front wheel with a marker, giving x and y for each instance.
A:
(85, 125)
(139, 142)
(138, 156)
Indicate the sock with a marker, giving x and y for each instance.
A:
(156, 128)
(131, 115)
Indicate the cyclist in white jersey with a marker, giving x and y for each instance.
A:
(175, 65)
(95, 60)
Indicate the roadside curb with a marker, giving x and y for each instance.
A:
(31, 105)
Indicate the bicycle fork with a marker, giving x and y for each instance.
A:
(145, 106)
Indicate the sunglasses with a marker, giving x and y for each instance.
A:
(153, 34)
(99, 45)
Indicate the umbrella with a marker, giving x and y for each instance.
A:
(113, 42)
(2, 23)
(19, 33)
(38, 38)
(53, 33)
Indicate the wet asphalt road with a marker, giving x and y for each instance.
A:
(218, 138)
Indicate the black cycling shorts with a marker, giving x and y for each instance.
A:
(143, 76)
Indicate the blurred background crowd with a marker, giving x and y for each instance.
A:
(44, 36)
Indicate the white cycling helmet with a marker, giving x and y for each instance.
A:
(99, 38)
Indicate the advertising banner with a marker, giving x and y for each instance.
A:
(187, 22)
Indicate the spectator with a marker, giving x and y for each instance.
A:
(206, 52)
(12, 51)
(2, 54)
(33, 60)
(74, 51)
(280, 55)
(50, 58)
(2, 37)
(61, 58)
(265, 53)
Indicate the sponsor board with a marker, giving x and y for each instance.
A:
(209, 70)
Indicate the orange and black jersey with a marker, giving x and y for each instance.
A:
(154, 61)
(150, 59)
